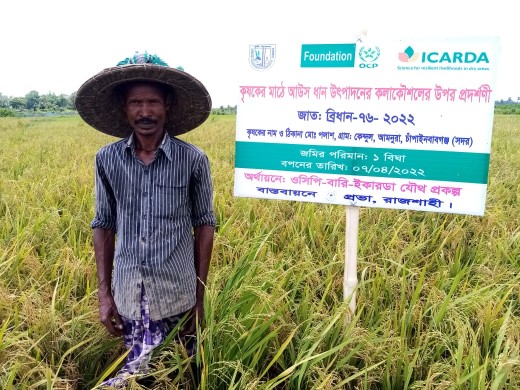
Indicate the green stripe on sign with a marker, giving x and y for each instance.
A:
(461, 167)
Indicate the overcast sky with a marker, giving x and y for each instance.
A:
(56, 45)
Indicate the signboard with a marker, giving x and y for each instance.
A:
(402, 124)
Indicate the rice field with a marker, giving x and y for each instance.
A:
(437, 298)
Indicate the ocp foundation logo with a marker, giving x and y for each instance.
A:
(369, 56)
(335, 55)
(409, 55)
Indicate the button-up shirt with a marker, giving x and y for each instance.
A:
(153, 209)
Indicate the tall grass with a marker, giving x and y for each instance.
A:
(437, 299)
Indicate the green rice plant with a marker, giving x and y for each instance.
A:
(437, 294)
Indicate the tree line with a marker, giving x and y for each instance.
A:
(47, 104)
(35, 104)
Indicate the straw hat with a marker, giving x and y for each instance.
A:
(99, 105)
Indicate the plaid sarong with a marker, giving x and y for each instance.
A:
(141, 337)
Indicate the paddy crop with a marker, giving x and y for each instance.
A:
(437, 299)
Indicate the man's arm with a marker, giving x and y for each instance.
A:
(203, 222)
(203, 248)
(104, 245)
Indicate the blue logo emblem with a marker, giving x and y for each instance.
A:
(369, 54)
(261, 57)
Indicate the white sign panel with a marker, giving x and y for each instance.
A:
(403, 124)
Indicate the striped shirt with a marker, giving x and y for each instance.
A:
(153, 210)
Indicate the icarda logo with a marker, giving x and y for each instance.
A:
(369, 56)
(443, 57)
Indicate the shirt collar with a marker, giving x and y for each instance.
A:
(165, 145)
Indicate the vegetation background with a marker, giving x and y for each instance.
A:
(437, 300)
(50, 104)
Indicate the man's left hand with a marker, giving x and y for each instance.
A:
(195, 316)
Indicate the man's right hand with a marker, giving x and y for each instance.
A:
(109, 316)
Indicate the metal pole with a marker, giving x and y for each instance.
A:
(351, 243)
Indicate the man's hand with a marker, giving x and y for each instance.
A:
(104, 242)
(109, 316)
(203, 246)
(195, 315)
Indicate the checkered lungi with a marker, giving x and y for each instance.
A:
(141, 337)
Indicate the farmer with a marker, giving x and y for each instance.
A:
(154, 192)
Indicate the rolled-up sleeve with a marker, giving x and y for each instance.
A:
(106, 211)
(201, 194)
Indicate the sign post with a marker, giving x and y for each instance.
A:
(351, 243)
(397, 124)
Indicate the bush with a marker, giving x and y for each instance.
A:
(507, 109)
(7, 112)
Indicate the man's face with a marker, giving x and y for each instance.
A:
(145, 109)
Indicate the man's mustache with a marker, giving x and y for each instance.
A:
(145, 121)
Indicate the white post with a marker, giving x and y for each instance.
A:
(351, 243)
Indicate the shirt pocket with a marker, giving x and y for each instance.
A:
(171, 201)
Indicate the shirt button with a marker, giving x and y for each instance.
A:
(143, 239)
(144, 216)
(145, 194)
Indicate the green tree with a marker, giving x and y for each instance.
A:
(72, 101)
(17, 103)
(4, 101)
(62, 101)
(32, 100)
(48, 102)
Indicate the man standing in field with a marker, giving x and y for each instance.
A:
(154, 192)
